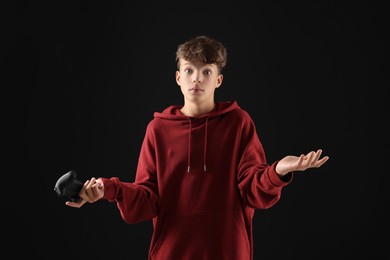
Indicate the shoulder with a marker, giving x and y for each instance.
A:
(153, 124)
(241, 114)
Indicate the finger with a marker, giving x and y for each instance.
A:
(85, 185)
(300, 161)
(83, 193)
(319, 163)
(91, 183)
(95, 191)
(97, 185)
(88, 187)
(309, 159)
(76, 204)
(317, 155)
(312, 155)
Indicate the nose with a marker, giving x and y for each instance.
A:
(197, 77)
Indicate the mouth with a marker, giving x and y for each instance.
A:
(196, 89)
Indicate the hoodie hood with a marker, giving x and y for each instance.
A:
(173, 113)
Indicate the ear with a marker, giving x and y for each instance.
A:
(219, 80)
(178, 77)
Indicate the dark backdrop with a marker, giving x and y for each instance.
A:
(82, 80)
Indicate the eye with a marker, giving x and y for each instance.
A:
(207, 72)
(188, 71)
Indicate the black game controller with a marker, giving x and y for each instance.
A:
(68, 186)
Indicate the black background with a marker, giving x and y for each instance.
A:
(81, 81)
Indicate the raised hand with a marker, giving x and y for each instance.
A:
(300, 163)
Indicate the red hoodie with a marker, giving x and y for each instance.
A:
(200, 180)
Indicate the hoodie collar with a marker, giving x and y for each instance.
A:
(173, 113)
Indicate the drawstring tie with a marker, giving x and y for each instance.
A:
(205, 145)
(204, 149)
(189, 146)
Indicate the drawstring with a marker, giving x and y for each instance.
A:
(189, 146)
(205, 145)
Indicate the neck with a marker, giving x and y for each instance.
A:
(197, 110)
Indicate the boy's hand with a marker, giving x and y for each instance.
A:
(92, 191)
(294, 163)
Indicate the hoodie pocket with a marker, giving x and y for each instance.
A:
(202, 235)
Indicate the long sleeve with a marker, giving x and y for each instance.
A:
(259, 184)
(137, 201)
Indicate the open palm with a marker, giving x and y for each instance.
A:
(300, 163)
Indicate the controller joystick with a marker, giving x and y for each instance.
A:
(68, 186)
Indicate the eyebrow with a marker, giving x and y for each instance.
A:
(191, 64)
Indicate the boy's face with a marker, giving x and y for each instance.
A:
(198, 80)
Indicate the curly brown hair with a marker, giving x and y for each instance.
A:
(204, 49)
